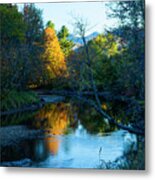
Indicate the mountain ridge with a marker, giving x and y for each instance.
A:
(78, 40)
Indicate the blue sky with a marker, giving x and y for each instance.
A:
(61, 14)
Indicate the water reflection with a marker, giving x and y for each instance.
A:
(52, 144)
(54, 118)
(39, 150)
(72, 138)
(80, 131)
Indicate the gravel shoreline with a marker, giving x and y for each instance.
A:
(11, 135)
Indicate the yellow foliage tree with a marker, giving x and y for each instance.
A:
(53, 56)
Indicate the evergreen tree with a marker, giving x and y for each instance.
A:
(34, 39)
(65, 43)
(12, 32)
(50, 24)
(34, 24)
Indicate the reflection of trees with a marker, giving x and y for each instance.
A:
(81, 29)
(52, 144)
(93, 122)
(54, 118)
(17, 118)
(39, 149)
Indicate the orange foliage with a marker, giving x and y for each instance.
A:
(104, 106)
(54, 119)
(52, 144)
(53, 55)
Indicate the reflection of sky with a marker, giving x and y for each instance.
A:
(82, 151)
(62, 14)
(79, 149)
(76, 149)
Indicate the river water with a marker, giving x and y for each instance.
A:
(74, 137)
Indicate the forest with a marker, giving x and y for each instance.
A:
(106, 73)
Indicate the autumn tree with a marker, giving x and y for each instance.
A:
(53, 56)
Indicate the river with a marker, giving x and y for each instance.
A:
(74, 136)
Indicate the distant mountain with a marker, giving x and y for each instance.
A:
(78, 40)
(92, 36)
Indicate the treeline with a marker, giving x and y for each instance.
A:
(114, 62)
(117, 56)
(31, 55)
(21, 37)
(36, 56)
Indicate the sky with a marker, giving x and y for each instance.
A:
(62, 14)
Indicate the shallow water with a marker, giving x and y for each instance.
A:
(78, 150)
(72, 139)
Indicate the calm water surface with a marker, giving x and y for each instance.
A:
(73, 138)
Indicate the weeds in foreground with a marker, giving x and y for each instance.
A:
(131, 161)
(17, 99)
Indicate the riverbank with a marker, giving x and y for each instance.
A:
(16, 102)
(12, 135)
(18, 99)
(11, 138)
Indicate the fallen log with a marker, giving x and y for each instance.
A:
(22, 109)
(79, 96)
(105, 95)
(110, 119)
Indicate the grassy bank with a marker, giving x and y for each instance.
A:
(131, 161)
(18, 99)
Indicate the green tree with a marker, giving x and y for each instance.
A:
(130, 13)
(34, 24)
(12, 27)
(34, 42)
(131, 30)
(63, 33)
(50, 24)
(65, 43)
(130, 64)
(20, 46)
(12, 31)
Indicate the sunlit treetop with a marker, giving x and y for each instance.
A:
(53, 55)
(109, 44)
(50, 24)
